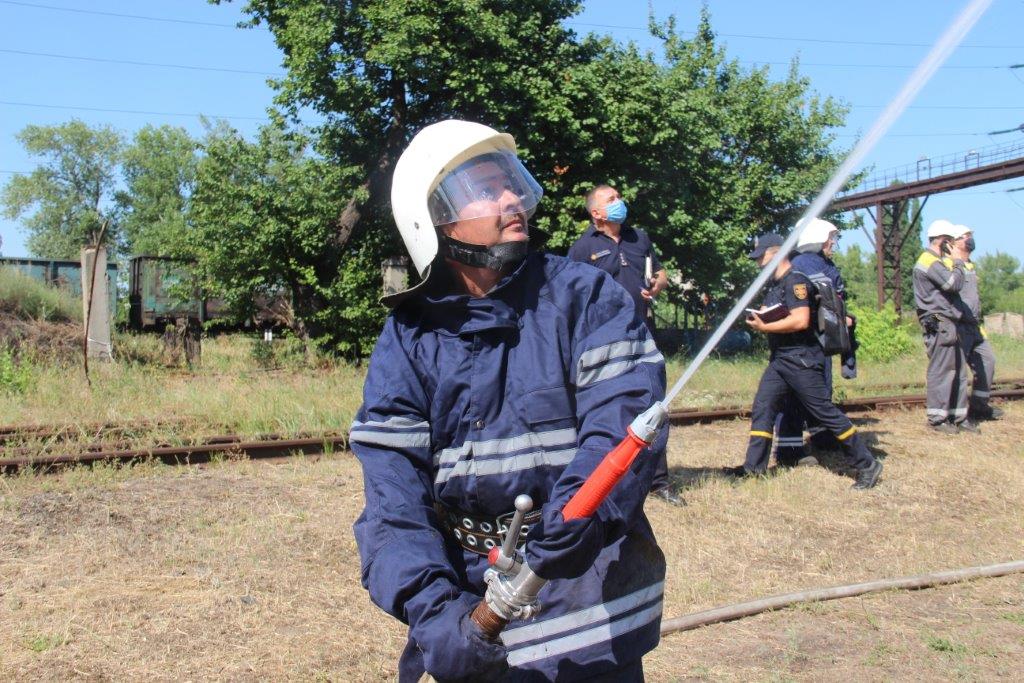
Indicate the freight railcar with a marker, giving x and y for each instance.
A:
(64, 274)
(154, 296)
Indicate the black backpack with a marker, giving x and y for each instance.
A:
(833, 334)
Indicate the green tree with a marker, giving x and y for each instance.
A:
(731, 154)
(707, 153)
(860, 276)
(68, 198)
(260, 215)
(159, 170)
(999, 277)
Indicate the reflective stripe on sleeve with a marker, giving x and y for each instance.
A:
(620, 619)
(612, 360)
(847, 434)
(396, 432)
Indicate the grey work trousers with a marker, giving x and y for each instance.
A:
(947, 374)
(982, 361)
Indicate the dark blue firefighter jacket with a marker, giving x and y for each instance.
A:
(471, 402)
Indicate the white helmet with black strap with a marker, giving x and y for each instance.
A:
(437, 181)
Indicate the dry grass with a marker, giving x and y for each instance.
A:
(732, 381)
(244, 571)
(228, 394)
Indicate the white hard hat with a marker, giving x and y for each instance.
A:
(430, 186)
(814, 235)
(941, 228)
(959, 230)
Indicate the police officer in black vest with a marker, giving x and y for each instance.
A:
(795, 371)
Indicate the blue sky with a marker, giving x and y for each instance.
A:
(61, 59)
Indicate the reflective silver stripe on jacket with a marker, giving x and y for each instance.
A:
(617, 616)
(499, 456)
(397, 432)
(612, 360)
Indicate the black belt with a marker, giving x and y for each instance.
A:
(477, 533)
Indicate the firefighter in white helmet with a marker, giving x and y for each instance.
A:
(817, 242)
(503, 372)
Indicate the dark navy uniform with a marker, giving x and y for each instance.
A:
(796, 372)
(790, 443)
(624, 260)
(470, 402)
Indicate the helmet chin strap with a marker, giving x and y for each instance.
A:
(497, 257)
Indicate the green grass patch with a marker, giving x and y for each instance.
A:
(42, 642)
(1015, 617)
(946, 646)
(30, 299)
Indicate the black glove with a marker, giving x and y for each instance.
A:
(560, 549)
(849, 367)
(454, 648)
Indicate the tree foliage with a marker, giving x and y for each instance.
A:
(706, 152)
(159, 170)
(1000, 283)
(66, 200)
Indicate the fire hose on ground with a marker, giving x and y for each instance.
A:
(916, 582)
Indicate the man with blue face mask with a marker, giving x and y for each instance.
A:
(627, 254)
(624, 252)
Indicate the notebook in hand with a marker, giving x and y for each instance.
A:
(770, 314)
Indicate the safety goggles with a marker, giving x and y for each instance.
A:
(490, 184)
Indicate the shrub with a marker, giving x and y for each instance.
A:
(16, 375)
(880, 334)
(1010, 302)
(30, 299)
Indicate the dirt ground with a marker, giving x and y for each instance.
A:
(248, 571)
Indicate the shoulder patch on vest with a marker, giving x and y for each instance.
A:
(800, 291)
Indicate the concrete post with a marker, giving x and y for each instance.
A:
(99, 317)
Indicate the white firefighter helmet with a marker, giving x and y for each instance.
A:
(438, 180)
(941, 228)
(814, 235)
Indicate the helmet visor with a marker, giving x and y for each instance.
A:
(490, 184)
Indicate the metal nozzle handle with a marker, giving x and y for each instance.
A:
(508, 545)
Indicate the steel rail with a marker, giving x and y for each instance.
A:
(195, 453)
(867, 403)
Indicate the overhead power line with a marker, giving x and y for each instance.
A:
(116, 14)
(796, 39)
(132, 111)
(134, 63)
(756, 62)
(105, 60)
(790, 39)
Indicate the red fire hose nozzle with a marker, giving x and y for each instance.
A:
(600, 483)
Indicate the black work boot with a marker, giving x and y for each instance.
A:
(987, 413)
(868, 477)
(667, 494)
(969, 426)
(945, 428)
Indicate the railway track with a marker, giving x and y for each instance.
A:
(274, 447)
(56, 452)
(853, 405)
